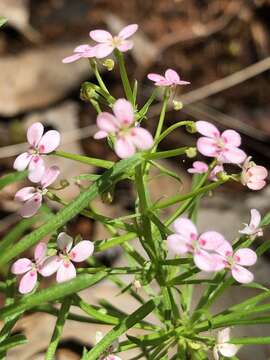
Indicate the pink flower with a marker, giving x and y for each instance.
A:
(39, 145)
(223, 345)
(31, 197)
(186, 240)
(236, 262)
(107, 42)
(121, 124)
(62, 263)
(81, 51)
(253, 228)
(112, 357)
(29, 269)
(253, 176)
(171, 78)
(224, 147)
(198, 167)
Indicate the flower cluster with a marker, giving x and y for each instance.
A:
(211, 251)
(61, 264)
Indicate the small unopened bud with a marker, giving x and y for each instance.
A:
(222, 175)
(107, 197)
(109, 64)
(177, 105)
(88, 91)
(191, 127)
(191, 152)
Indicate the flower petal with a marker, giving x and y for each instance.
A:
(36, 168)
(100, 135)
(204, 260)
(141, 138)
(124, 148)
(22, 161)
(224, 335)
(107, 122)
(207, 147)
(81, 251)
(258, 172)
(28, 282)
(199, 167)
(50, 175)
(72, 58)
(103, 50)
(185, 228)
(242, 275)
(123, 111)
(155, 77)
(256, 185)
(50, 265)
(66, 271)
(21, 266)
(231, 137)
(64, 242)
(245, 257)
(128, 31)
(40, 251)
(34, 134)
(125, 45)
(25, 193)
(225, 249)
(177, 244)
(228, 350)
(31, 206)
(172, 76)
(49, 142)
(211, 240)
(233, 155)
(82, 48)
(207, 129)
(100, 36)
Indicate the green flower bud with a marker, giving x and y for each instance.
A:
(109, 64)
(191, 152)
(191, 127)
(88, 91)
(177, 105)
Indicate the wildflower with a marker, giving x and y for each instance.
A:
(171, 78)
(62, 263)
(122, 124)
(29, 269)
(253, 176)
(198, 167)
(31, 197)
(224, 147)
(107, 42)
(186, 240)
(236, 262)
(81, 51)
(252, 229)
(39, 145)
(223, 346)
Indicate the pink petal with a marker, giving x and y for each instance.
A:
(242, 275)
(141, 138)
(231, 137)
(83, 48)
(36, 169)
(186, 229)
(50, 265)
(21, 266)
(258, 172)
(204, 261)
(125, 45)
(25, 193)
(128, 31)
(40, 251)
(100, 135)
(234, 155)
(28, 282)
(255, 218)
(72, 58)
(224, 336)
(65, 272)
(256, 185)
(199, 167)
(64, 242)
(81, 251)
(22, 161)
(177, 245)
(49, 142)
(123, 111)
(124, 148)
(103, 50)
(207, 129)
(207, 146)
(107, 122)
(30, 207)
(34, 133)
(225, 249)
(155, 77)
(50, 175)
(245, 257)
(211, 240)
(101, 36)
(228, 350)
(172, 76)
(217, 169)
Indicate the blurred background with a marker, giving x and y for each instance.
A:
(221, 46)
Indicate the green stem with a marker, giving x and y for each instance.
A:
(60, 322)
(84, 159)
(124, 77)
(94, 68)
(161, 117)
(166, 154)
(172, 128)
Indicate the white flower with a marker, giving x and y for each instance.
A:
(223, 346)
(253, 229)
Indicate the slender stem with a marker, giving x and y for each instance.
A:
(60, 322)
(172, 128)
(124, 77)
(94, 68)
(84, 159)
(166, 154)
(162, 116)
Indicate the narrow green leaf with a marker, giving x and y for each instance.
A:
(12, 341)
(85, 159)
(11, 177)
(263, 340)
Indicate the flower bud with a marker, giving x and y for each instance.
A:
(191, 127)
(191, 152)
(109, 64)
(88, 91)
(177, 105)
